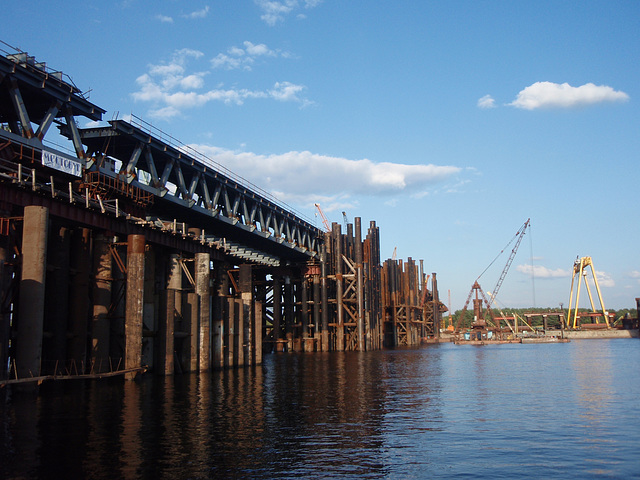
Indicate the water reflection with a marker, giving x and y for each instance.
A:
(440, 411)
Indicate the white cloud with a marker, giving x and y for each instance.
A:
(486, 102)
(286, 91)
(243, 58)
(192, 81)
(231, 63)
(198, 13)
(543, 272)
(539, 271)
(164, 19)
(605, 279)
(94, 124)
(257, 50)
(634, 274)
(306, 176)
(276, 11)
(554, 95)
(170, 88)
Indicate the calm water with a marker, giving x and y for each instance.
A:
(441, 411)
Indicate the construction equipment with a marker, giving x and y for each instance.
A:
(478, 314)
(580, 270)
(477, 306)
(325, 222)
(519, 234)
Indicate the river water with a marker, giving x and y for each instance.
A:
(439, 411)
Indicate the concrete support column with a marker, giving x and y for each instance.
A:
(171, 308)
(288, 311)
(190, 346)
(203, 279)
(229, 332)
(101, 290)
(257, 333)
(316, 308)
(79, 305)
(164, 344)
(324, 330)
(238, 330)
(246, 294)
(134, 303)
(219, 308)
(304, 307)
(170, 311)
(277, 311)
(31, 313)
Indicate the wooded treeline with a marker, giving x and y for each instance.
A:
(536, 321)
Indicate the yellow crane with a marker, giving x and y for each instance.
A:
(580, 270)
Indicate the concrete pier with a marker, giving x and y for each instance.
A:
(32, 291)
(134, 303)
(203, 273)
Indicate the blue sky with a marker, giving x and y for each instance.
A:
(448, 123)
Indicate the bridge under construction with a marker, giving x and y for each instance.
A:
(129, 251)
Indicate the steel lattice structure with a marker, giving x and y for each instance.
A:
(176, 183)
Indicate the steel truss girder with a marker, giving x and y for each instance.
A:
(196, 185)
(40, 89)
(30, 95)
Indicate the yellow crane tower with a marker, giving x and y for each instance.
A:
(580, 270)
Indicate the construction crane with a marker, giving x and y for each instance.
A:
(579, 270)
(478, 314)
(325, 222)
(519, 234)
(478, 290)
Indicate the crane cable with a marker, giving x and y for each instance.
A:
(533, 273)
(502, 251)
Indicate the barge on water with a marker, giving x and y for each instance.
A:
(481, 334)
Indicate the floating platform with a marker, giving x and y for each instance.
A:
(545, 339)
(486, 342)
